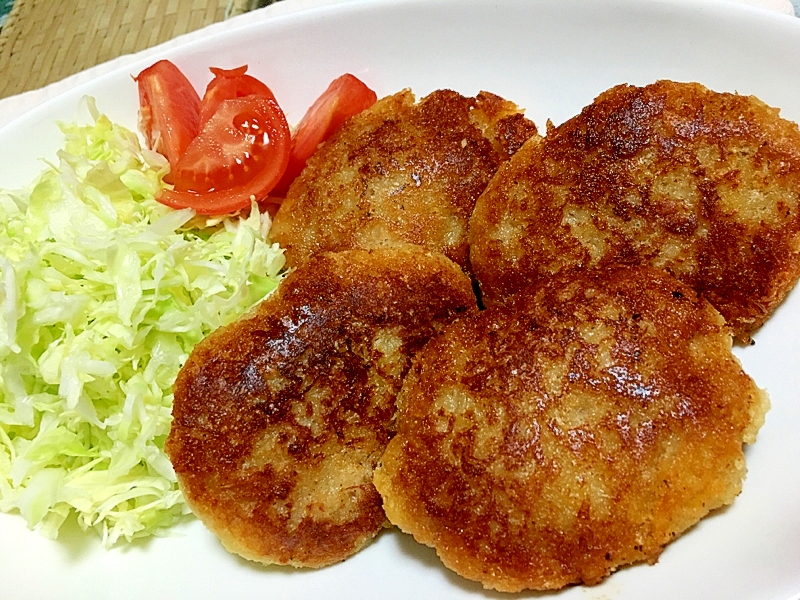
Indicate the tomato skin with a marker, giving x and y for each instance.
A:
(234, 146)
(169, 109)
(214, 164)
(345, 96)
(228, 84)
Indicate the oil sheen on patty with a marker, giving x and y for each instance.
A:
(580, 427)
(401, 171)
(280, 417)
(705, 185)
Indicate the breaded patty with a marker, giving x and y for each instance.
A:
(401, 171)
(580, 427)
(702, 184)
(280, 418)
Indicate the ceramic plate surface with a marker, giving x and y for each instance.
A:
(551, 57)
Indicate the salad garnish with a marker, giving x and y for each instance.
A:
(103, 294)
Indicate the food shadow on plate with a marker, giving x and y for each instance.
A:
(77, 544)
(429, 560)
(74, 542)
(281, 570)
(427, 557)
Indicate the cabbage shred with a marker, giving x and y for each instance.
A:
(103, 294)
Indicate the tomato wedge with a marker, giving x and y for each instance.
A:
(169, 109)
(346, 96)
(239, 155)
(228, 84)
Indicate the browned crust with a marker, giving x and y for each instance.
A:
(279, 418)
(702, 184)
(579, 428)
(401, 171)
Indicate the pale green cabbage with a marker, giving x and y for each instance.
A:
(103, 294)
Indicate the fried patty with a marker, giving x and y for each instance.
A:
(401, 171)
(280, 418)
(580, 427)
(702, 184)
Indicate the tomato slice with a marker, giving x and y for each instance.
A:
(346, 96)
(227, 150)
(239, 155)
(228, 84)
(169, 109)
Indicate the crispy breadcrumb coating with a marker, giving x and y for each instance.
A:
(401, 171)
(280, 418)
(702, 184)
(580, 427)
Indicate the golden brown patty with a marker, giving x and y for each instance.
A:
(280, 418)
(579, 428)
(401, 171)
(702, 184)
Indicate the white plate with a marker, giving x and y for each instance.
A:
(552, 57)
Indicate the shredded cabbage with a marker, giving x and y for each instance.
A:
(103, 294)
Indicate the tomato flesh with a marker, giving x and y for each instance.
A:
(169, 109)
(226, 151)
(239, 155)
(226, 85)
(234, 146)
(346, 96)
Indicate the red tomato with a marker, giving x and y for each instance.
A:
(346, 96)
(169, 109)
(227, 84)
(240, 154)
